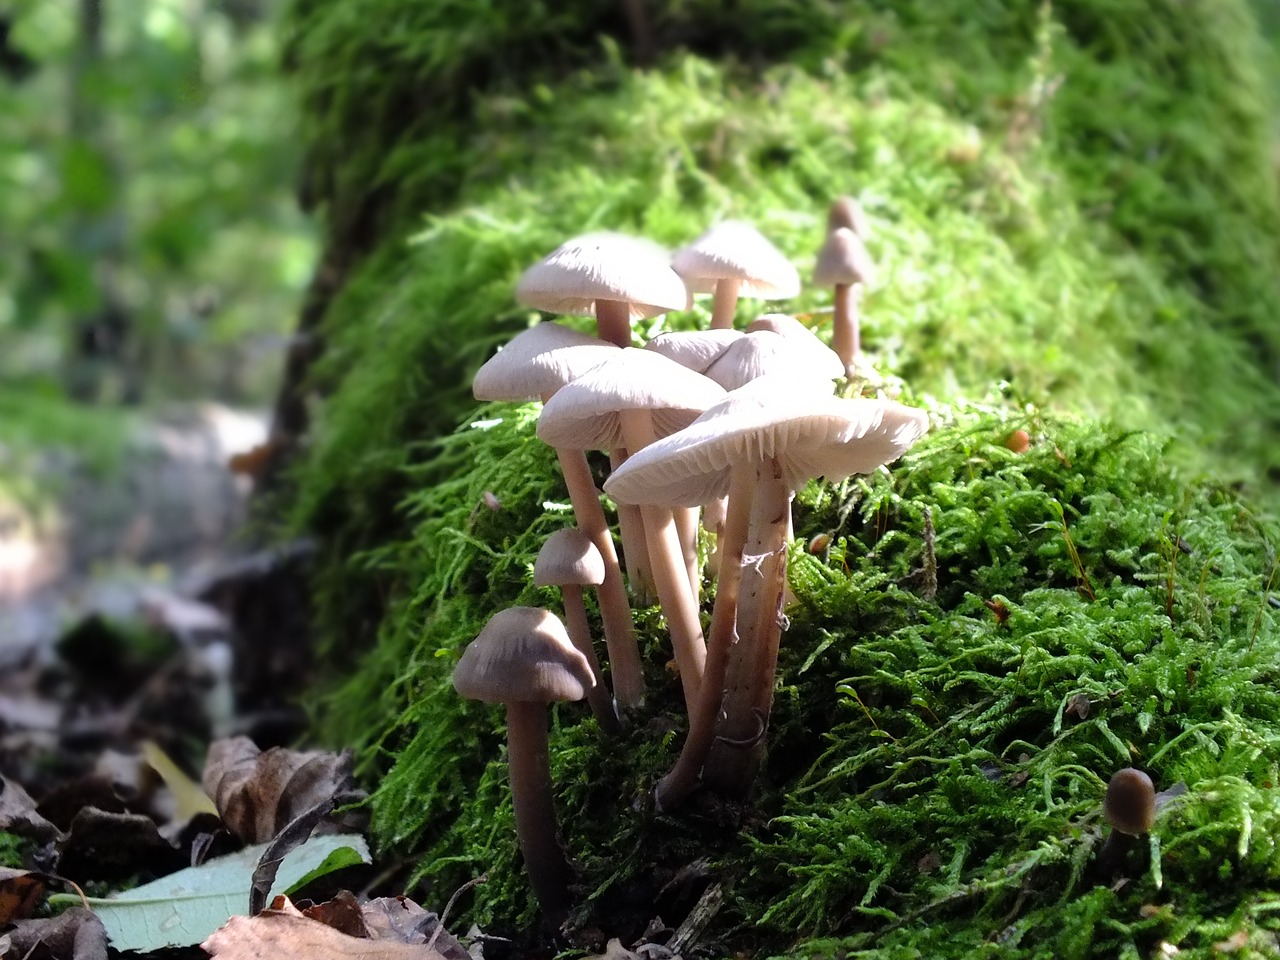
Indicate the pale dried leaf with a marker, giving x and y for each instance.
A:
(285, 935)
(257, 793)
(18, 814)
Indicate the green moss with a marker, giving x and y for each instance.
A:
(13, 849)
(1074, 202)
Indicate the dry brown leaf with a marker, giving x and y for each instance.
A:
(19, 892)
(288, 935)
(400, 920)
(74, 934)
(18, 814)
(342, 913)
(258, 792)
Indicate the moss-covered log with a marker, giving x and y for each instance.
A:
(1076, 216)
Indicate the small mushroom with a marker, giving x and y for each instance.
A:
(845, 264)
(847, 212)
(734, 259)
(523, 658)
(569, 560)
(1130, 803)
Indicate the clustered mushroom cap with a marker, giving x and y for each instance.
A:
(523, 653)
(762, 352)
(584, 414)
(603, 266)
(537, 362)
(695, 349)
(1130, 803)
(797, 333)
(843, 260)
(810, 432)
(568, 558)
(735, 250)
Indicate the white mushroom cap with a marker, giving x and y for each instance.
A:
(583, 415)
(796, 332)
(603, 266)
(523, 653)
(735, 250)
(537, 362)
(811, 433)
(695, 349)
(763, 352)
(568, 557)
(844, 260)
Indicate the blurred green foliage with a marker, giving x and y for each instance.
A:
(153, 248)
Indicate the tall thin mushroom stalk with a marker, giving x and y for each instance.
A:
(534, 365)
(845, 265)
(762, 441)
(633, 399)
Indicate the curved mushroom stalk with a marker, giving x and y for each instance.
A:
(635, 552)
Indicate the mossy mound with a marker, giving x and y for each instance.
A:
(1075, 201)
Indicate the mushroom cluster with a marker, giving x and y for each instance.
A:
(722, 423)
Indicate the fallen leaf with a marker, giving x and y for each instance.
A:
(342, 913)
(74, 934)
(614, 950)
(257, 793)
(400, 920)
(19, 892)
(287, 935)
(18, 814)
(111, 846)
(190, 796)
(293, 835)
(185, 907)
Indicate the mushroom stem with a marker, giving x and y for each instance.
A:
(613, 321)
(683, 777)
(532, 799)
(635, 553)
(670, 577)
(725, 304)
(575, 622)
(846, 338)
(713, 515)
(738, 746)
(615, 611)
(687, 526)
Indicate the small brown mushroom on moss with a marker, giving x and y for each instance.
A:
(523, 658)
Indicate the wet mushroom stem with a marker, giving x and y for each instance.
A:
(570, 560)
(524, 659)
(534, 365)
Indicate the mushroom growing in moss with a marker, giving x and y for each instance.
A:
(733, 259)
(523, 658)
(845, 265)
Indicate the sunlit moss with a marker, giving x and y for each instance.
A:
(928, 793)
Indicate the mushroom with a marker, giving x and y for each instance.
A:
(534, 365)
(569, 560)
(759, 443)
(629, 401)
(847, 212)
(734, 259)
(610, 276)
(613, 277)
(523, 658)
(845, 264)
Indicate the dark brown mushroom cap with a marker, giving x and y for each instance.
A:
(568, 557)
(843, 260)
(735, 250)
(604, 266)
(537, 362)
(798, 422)
(1130, 803)
(523, 653)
